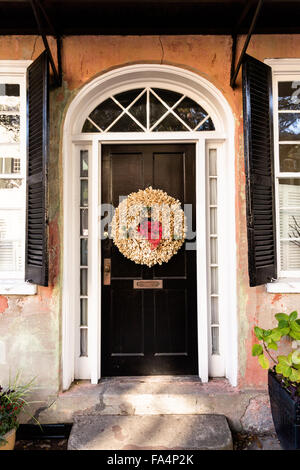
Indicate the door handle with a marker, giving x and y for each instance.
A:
(106, 271)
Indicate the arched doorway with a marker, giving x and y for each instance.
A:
(169, 110)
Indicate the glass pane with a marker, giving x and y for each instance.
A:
(214, 310)
(290, 223)
(190, 112)
(84, 162)
(127, 97)
(212, 162)
(84, 222)
(11, 235)
(289, 220)
(83, 312)
(84, 192)
(89, 127)
(9, 89)
(83, 342)
(170, 97)
(213, 220)
(215, 340)
(9, 97)
(105, 113)
(289, 192)
(289, 202)
(157, 109)
(83, 281)
(213, 251)
(10, 165)
(10, 183)
(213, 191)
(138, 110)
(288, 95)
(83, 252)
(290, 255)
(214, 281)
(208, 125)
(126, 124)
(9, 128)
(289, 157)
(289, 126)
(170, 123)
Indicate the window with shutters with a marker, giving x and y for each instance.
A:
(286, 95)
(12, 176)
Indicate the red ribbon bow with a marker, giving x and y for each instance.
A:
(150, 229)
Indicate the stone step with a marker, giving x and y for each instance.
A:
(156, 432)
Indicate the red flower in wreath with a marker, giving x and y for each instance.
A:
(152, 231)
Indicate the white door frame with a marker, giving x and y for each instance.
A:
(213, 101)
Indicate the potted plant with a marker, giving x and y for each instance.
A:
(12, 402)
(283, 375)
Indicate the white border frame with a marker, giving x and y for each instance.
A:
(14, 71)
(203, 92)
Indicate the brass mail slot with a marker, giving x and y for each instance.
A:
(148, 284)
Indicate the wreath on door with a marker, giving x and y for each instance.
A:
(149, 227)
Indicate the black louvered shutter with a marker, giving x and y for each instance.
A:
(259, 164)
(36, 251)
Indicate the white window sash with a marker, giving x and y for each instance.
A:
(283, 70)
(14, 72)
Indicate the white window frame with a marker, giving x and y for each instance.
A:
(282, 70)
(14, 72)
(214, 103)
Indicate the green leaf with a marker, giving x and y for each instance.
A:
(296, 357)
(284, 331)
(295, 327)
(284, 360)
(258, 332)
(295, 375)
(294, 335)
(286, 371)
(283, 324)
(273, 345)
(257, 350)
(293, 316)
(264, 362)
(281, 316)
(276, 334)
(279, 368)
(267, 333)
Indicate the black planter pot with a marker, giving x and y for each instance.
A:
(285, 413)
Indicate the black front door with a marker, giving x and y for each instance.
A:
(149, 331)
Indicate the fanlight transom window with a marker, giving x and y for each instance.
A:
(148, 109)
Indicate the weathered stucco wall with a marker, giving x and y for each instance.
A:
(30, 326)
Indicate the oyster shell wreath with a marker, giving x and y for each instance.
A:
(149, 226)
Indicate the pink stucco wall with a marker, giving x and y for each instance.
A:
(30, 326)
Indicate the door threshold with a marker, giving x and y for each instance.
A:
(152, 378)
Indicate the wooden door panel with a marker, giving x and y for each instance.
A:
(127, 322)
(127, 175)
(122, 267)
(170, 322)
(149, 331)
(176, 267)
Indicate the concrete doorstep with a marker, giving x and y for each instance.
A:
(150, 432)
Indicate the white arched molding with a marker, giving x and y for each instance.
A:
(211, 99)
